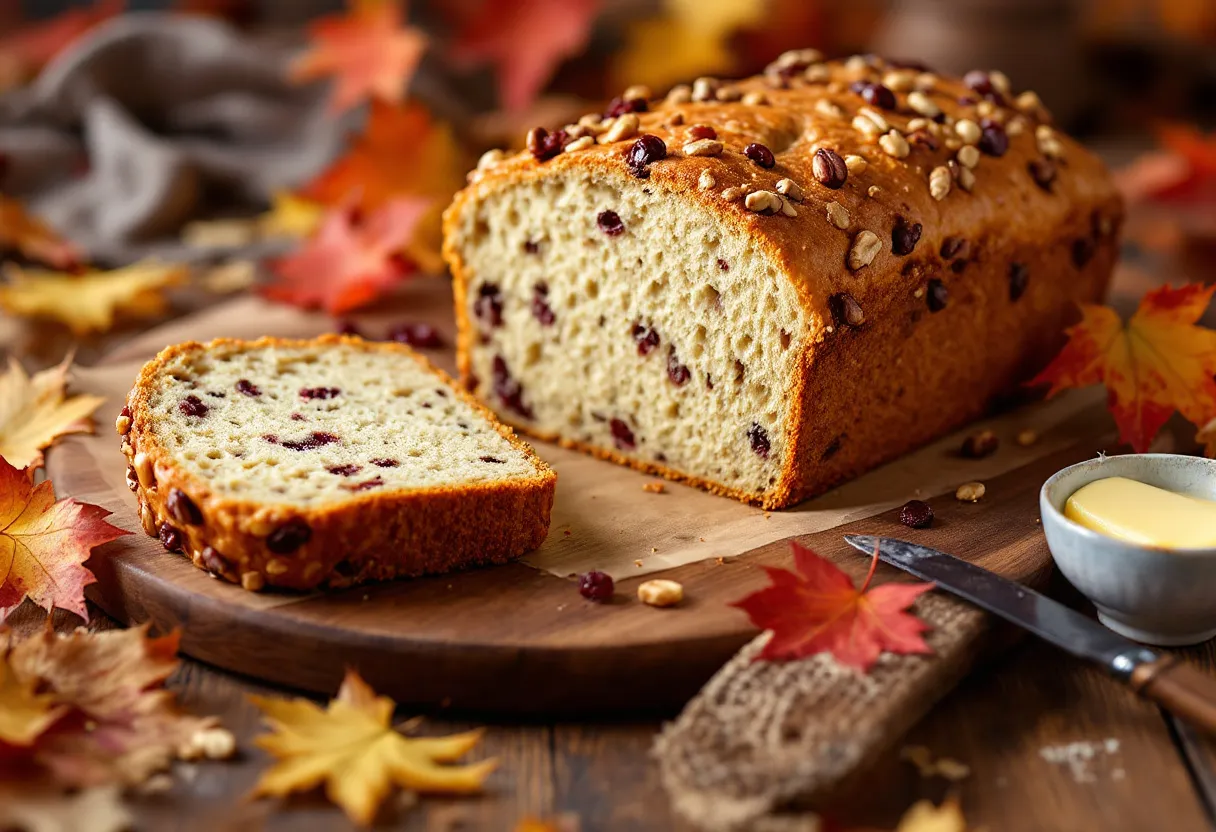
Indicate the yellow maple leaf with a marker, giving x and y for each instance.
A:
(34, 412)
(352, 747)
(89, 302)
(24, 714)
(689, 39)
(290, 215)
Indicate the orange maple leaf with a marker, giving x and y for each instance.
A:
(526, 40)
(818, 610)
(22, 231)
(1183, 171)
(44, 544)
(368, 50)
(1157, 363)
(32, 47)
(353, 258)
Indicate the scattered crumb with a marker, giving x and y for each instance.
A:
(654, 487)
(566, 532)
(561, 607)
(768, 516)
(1027, 437)
(367, 597)
(653, 550)
(660, 593)
(719, 561)
(637, 562)
(701, 539)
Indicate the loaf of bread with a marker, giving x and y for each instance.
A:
(325, 462)
(767, 287)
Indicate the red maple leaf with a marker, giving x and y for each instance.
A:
(1157, 363)
(526, 40)
(818, 610)
(353, 258)
(44, 544)
(33, 46)
(1183, 171)
(368, 51)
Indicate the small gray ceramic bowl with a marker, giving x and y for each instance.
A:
(1157, 596)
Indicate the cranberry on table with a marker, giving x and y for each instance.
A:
(596, 586)
(916, 514)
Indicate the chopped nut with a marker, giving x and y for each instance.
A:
(986, 109)
(654, 487)
(862, 124)
(706, 181)
(922, 104)
(755, 98)
(143, 470)
(591, 121)
(728, 93)
(276, 567)
(1016, 126)
(787, 207)
(660, 593)
(1049, 145)
(838, 215)
(926, 81)
(981, 444)
(856, 164)
(677, 118)
(866, 246)
(148, 520)
(939, 182)
(856, 63)
(1029, 103)
(827, 108)
(969, 155)
(817, 73)
(873, 190)
(490, 158)
(899, 80)
(970, 492)
(1027, 437)
(637, 91)
(703, 147)
(252, 581)
(789, 189)
(579, 144)
(953, 143)
(733, 126)
(846, 310)
(893, 144)
(625, 127)
(122, 425)
(703, 89)
(797, 57)
(966, 179)
(763, 202)
(679, 94)
(876, 117)
(968, 130)
(1000, 81)
(731, 194)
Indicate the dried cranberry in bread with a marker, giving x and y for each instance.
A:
(325, 462)
(769, 286)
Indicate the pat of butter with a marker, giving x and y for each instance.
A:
(1144, 514)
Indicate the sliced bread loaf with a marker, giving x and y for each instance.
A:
(325, 462)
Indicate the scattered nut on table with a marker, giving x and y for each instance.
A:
(660, 593)
(970, 492)
(654, 487)
(1027, 437)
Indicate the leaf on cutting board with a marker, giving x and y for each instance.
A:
(25, 714)
(525, 41)
(401, 153)
(44, 544)
(690, 38)
(28, 49)
(1156, 363)
(90, 302)
(24, 233)
(125, 725)
(35, 411)
(818, 610)
(352, 748)
(42, 808)
(354, 258)
(369, 51)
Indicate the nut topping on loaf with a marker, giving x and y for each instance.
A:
(300, 463)
(732, 313)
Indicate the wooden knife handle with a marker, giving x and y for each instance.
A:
(1180, 688)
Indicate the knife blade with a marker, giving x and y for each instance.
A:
(1159, 676)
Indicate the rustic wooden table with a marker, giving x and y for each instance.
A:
(1052, 744)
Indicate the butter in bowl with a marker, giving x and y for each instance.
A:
(1137, 535)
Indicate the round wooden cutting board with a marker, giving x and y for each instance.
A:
(505, 639)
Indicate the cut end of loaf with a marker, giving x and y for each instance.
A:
(640, 326)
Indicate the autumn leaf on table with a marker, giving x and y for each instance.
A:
(525, 41)
(21, 231)
(34, 412)
(28, 49)
(369, 51)
(127, 726)
(1157, 363)
(25, 714)
(818, 610)
(90, 302)
(1183, 171)
(44, 544)
(401, 153)
(352, 748)
(691, 38)
(353, 258)
(291, 216)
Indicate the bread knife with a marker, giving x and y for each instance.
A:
(1177, 686)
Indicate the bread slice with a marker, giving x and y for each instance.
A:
(333, 461)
